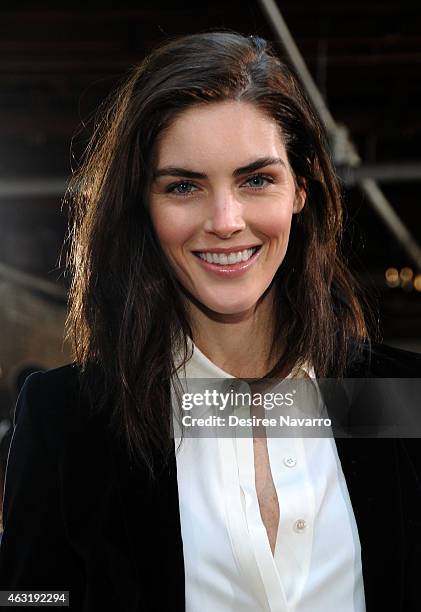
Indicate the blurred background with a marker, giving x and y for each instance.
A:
(360, 62)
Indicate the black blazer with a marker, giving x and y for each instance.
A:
(77, 518)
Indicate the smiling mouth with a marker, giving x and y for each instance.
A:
(222, 259)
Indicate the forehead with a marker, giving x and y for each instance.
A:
(227, 131)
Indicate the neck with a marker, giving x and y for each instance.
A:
(237, 343)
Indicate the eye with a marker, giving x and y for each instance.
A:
(183, 188)
(259, 181)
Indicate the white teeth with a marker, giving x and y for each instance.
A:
(230, 258)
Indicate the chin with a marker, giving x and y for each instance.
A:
(229, 308)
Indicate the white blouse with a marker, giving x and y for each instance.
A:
(229, 566)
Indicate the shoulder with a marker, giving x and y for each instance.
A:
(54, 404)
(372, 359)
(60, 380)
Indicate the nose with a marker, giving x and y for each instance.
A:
(225, 215)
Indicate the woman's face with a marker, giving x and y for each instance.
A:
(222, 184)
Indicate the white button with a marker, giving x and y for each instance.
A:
(290, 461)
(300, 525)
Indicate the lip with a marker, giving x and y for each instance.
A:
(230, 270)
(232, 249)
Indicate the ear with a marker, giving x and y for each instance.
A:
(300, 197)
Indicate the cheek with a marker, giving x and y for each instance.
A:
(173, 228)
(276, 221)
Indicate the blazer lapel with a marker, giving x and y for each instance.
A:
(151, 513)
(370, 467)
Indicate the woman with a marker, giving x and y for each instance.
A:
(209, 149)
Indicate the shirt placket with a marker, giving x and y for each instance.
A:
(257, 535)
(296, 515)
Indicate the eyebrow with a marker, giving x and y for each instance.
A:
(261, 162)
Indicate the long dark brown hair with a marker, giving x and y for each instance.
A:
(126, 315)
